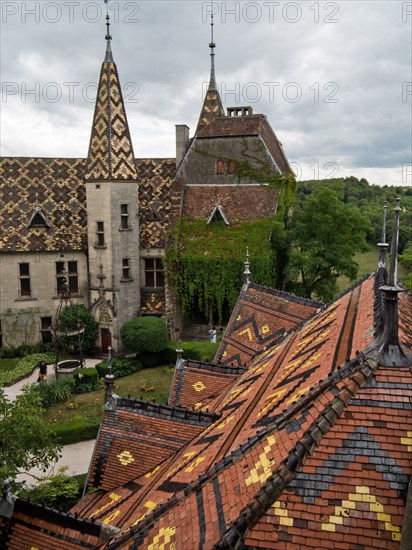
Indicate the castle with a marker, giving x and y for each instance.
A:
(100, 223)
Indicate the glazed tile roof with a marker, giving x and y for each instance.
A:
(196, 383)
(310, 451)
(58, 185)
(239, 203)
(110, 154)
(250, 125)
(136, 436)
(260, 319)
(35, 526)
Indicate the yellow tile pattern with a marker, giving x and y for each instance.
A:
(163, 538)
(194, 464)
(407, 441)
(125, 458)
(282, 514)
(111, 154)
(199, 386)
(113, 497)
(362, 495)
(263, 467)
(149, 505)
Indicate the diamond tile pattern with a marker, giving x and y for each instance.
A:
(110, 154)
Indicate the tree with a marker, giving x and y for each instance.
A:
(25, 438)
(325, 237)
(144, 334)
(70, 317)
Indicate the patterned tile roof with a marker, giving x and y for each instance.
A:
(260, 319)
(35, 526)
(136, 436)
(311, 450)
(110, 154)
(250, 125)
(239, 204)
(195, 383)
(58, 185)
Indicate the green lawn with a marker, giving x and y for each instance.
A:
(149, 384)
(368, 263)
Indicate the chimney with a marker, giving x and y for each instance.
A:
(182, 142)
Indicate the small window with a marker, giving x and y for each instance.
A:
(231, 167)
(100, 233)
(220, 167)
(46, 323)
(124, 216)
(24, 276)
(126, 269)
(154, 274)
(73, 277)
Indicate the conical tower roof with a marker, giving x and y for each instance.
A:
(212, 105)
(111, 154)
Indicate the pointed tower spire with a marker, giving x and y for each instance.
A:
(383, 245)
(111, 154)
(212, 105)
(391, 352)
(247, 275)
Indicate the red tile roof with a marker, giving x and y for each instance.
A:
(311, 450)
(260, 319)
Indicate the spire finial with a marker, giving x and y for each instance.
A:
(383, 245)
(109, 57)
(393, 270)
(212, 46)
(247, 275)
(391, 352)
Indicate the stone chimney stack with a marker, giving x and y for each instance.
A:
(182, 142)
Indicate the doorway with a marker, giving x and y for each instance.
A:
(106, 338)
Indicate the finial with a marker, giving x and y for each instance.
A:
(109, 395)
(393, 270)
(391, 353)
(109, 56)
(383, 245)
(212, 46)
(247, 274)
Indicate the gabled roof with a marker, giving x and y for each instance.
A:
(110, 154)
(58, 184)
(36, 526)
(195, 383)
(261, 318)
(136, 436)
(250, 125)
(310, 450)
(240, 203)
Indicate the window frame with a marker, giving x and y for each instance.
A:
(154, 273)
(24, 278)
(45, 330)
(124, 216)
(100, 234)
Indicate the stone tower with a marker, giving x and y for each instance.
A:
(112, 210)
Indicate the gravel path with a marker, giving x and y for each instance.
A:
(76, 456)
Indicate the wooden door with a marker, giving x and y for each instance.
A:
(106, 338)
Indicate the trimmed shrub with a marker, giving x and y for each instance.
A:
(144, 334)
(85, 379)
(58, 491)
(76, 430)
(197, 351)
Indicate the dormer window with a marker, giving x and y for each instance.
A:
(218, 215)
(38, 219)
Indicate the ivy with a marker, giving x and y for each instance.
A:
(206, 262)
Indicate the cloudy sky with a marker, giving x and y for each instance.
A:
(334, 78)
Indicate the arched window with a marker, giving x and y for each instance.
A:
(220, 167)
(231, 167)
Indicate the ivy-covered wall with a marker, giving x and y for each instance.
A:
(205, 263)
